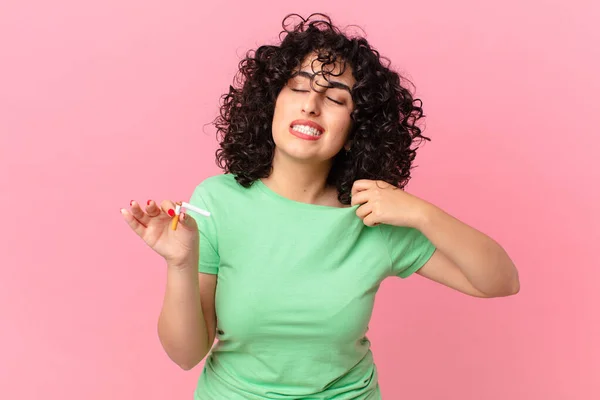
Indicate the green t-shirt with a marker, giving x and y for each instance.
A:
(295, 292)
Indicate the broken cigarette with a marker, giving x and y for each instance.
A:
(179, 206)
(175, 219)
(190, 207)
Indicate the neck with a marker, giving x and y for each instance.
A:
(302, 182)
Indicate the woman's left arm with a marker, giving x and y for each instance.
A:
(465, 259)
(482, 261)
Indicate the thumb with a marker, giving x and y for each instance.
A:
(187, 221)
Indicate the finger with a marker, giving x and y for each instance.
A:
(360, 185)
(370, 220)
(187, 221)
(133, 223)
(152, 209)
(360, 198)
(138, 213)
(363, 211)
(168, 207)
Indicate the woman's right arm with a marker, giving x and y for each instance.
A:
(187, 322)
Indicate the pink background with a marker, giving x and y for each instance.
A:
(106, 101)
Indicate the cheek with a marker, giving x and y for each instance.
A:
(279, 116)
(280, 123)
(343, 126)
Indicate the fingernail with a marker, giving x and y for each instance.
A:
(171, 212)
(149, 202)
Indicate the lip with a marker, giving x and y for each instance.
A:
(304, 136)
(308, 123)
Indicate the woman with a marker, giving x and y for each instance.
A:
(317, 143)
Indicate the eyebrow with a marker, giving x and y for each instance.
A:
(333, 84)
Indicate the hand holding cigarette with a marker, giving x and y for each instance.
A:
(158, 224)
(187, 206)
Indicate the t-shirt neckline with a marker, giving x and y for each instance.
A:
(274, 195)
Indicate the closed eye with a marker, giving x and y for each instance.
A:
(306, 91)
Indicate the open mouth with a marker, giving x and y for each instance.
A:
(306, 129)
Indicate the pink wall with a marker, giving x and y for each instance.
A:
(105, 101)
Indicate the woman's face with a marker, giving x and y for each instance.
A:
(311, 124)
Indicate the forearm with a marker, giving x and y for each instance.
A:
(481, 259)
(181, 326)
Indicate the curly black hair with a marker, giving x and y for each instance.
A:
(384, 134)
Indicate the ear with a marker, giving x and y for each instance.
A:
(348, 145)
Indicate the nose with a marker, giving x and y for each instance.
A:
(311, 104)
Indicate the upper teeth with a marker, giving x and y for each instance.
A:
(307, 130)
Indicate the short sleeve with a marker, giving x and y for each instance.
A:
(209, 256)
(408, 248)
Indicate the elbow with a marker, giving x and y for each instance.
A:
(514, 285)
(187, 366)
(515, 288)
(510, 288)
(189, 363)
(510, 285)
(185, 353)
(186, 359)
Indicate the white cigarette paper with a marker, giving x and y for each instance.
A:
(192, 208)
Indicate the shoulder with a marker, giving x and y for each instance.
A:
(393, 231)
(220, 189)
(217, 181)
(217, 184)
